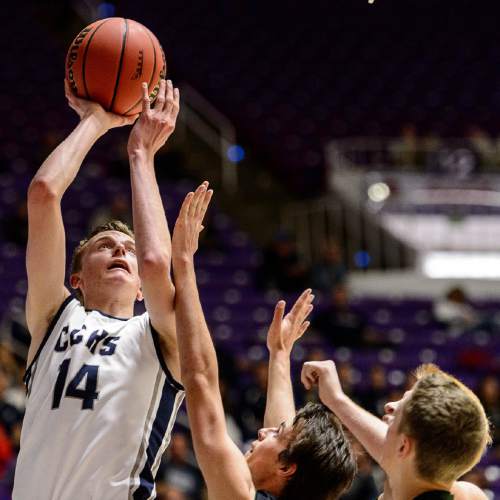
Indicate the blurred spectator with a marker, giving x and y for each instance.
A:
(330, 270)
(483, 146)
(118, 209)
(14, 332)
(7, 478)
(431, 146)
(374, 397)
(281, 265)
(404, 150)
(363, 486)
(210, 238)
(253, 401)
(230, 409)
(455, 311)
(178, 473)
(341, 325)
(15, 225)
(346, 376)
(489, 394)
(9, 414)
(166, 492)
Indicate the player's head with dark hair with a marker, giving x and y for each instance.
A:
(105, 262)
(439, 429)
(309, 458)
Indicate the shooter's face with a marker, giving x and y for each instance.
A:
(263, 456)
(109, 265)
(394, 440)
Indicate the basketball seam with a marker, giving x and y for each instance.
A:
(152, 74)
(120, 65)
(85, 58)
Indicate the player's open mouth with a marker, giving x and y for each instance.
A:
(119, 264)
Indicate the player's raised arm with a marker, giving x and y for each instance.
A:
(222, 464)
(45, 256)
(152, 237)
(283, 333)
(369, 430)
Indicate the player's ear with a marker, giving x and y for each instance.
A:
(139, 297)
(287, 470)
(405, 446)
(75, 281)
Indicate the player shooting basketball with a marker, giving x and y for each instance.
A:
(102, 395)
(303, 455)
(425, 442)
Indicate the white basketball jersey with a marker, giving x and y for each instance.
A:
(100, 410)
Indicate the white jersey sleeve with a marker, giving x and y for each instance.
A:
(100, 409)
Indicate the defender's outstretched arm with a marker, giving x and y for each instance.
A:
(222, 464)
(283, 333)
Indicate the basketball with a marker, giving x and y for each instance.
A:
(108, 61)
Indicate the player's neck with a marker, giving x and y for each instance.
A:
(111, 306)
(405, 489)
(272, 485)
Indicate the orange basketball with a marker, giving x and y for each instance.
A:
(108, 61)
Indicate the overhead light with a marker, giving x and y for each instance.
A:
(463, 265)
(379, 192)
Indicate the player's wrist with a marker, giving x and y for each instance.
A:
(183, 261)
(279, 355)
(140, 153)
(94, 123)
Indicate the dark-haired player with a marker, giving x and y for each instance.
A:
(303, 455)
(102, 390)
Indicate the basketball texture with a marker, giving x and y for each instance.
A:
(108, 61)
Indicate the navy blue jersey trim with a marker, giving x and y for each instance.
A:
(158, 432)
(107, 315)
(156, 342)
(52, 324)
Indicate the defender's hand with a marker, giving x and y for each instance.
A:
(285, 331)
(155, 125)
(189, 223)
(86, 109)
(324, 375)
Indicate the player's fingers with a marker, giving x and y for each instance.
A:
(183, 212)
(200, 194)
(196, 199)
(160, 100)
(177, 103)
(301, 302)
(279, 312)
(305, 377)
(302, 315)
(205, 203)
(199, 207)
(305, 308)
(169, 98)
(303, 328)
(146, 102)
